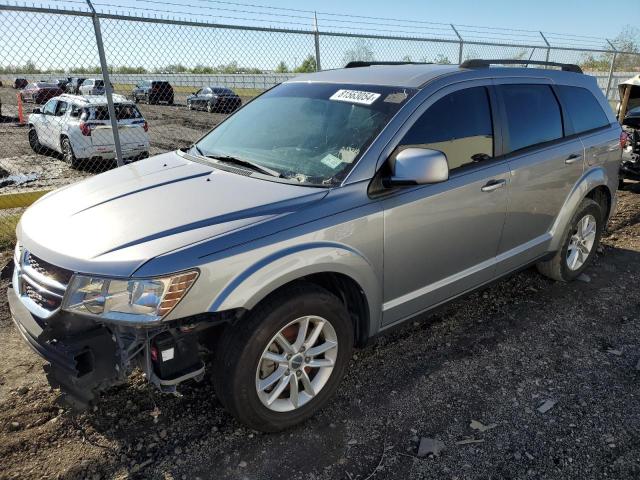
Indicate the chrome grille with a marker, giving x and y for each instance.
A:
(40, 284)
(58, 274)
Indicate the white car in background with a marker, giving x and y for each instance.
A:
(92, 86)
(80, 129)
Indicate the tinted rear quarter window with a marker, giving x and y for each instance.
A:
(583, 109)
(532, 115)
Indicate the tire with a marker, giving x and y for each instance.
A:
(209, 107)
(189, 106)
(558, 268)
(34, 143)
(135, 99)
(67, 153)
(170, 102)
(239, 362)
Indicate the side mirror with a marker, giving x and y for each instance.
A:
(37, 110)
(418, 166)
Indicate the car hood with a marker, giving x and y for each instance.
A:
(113, 223)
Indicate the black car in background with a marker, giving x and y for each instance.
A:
(62, 82)
(73, 86)
(20, 83)
(214, 99)
(153, 91)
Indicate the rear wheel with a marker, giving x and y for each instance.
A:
(67, 153)
(283, 362)
(579, 246)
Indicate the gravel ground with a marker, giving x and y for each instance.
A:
(527, 379)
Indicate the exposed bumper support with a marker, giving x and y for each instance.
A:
(85, 363)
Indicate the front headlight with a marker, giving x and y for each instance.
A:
(127, 300)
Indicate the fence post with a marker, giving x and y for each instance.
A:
(613, 63)
(316, 38)
(546, 59)
(461, 43)
(107, 85)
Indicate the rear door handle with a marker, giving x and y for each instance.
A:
(573, 158)
(494, 185)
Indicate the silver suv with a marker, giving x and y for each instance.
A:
(324, 212)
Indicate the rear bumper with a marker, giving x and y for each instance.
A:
(107, 152)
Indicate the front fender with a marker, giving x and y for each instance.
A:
(252, 285)
(591, 179)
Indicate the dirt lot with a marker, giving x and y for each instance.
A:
(170, 127)
(494, 357)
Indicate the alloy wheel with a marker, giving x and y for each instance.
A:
(581, 242)
(296, 364)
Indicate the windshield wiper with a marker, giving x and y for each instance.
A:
(246, 163)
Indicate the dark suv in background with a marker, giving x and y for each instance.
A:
(153, 91)
(20, 83)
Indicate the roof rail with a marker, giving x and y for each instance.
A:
(481, 63)
(359, 63)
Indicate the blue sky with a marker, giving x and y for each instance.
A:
(67, 42)
(581, 17)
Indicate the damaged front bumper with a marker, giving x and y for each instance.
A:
(86, 357)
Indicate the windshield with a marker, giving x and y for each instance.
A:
(307, 132)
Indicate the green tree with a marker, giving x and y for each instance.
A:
(442, 59)
(282, 68)
(360, 52)
(307, 65)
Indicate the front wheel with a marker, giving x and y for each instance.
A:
(209, 107)
(579, 246)
(34, 142)
(284, 362)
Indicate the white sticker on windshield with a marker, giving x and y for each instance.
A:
(331, 161)
(355, 96)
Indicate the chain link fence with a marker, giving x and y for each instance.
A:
(173, 79)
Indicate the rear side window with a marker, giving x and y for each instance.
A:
(123, 112)
(459, 125)
(533, 115)
(584, 111)
(99, 83)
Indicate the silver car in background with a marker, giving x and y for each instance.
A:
(324, 212)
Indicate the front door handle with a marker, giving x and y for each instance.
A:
(494, 185)
(573, 158)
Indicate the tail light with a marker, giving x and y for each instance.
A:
(624, 139)
(145, 125)
(85, 128)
